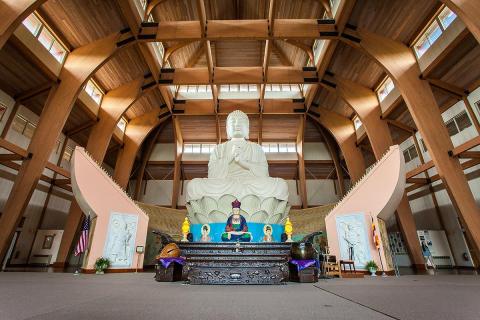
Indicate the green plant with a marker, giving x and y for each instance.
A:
(102, 264)
(371, 265)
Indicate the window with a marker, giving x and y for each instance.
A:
(122, 124)
(385, 88)
(3, 109)
(159, 50)
(205, 148)
(92, 89)
(45, 36)
(458, 123)
(67, 154)
(23, 126)
(317, 49)
(410, 153)
(238, 88)
(195, 89)
(424, 146)
(282, 147)
(357, 123)
(441, 22)
(282, 88)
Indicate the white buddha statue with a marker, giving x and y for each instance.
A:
(237, 167)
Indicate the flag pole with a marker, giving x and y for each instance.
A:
(77, 271)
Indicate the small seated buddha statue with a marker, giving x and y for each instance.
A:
(236, 228)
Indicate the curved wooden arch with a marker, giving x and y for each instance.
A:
(400, 63)
(135, 133)
(364, 103)
(468, 11)
(77, 69)
(343, 131)
(171, 50)
(13, 13)
(150, 6)
(303, 47)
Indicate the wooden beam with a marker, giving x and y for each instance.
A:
(80, 128)
(171, 50)
(33, 92)
(7, 157)
(450, 89)
(468, 11)
(79, 65)
(238, 30)
(178, 157)
(401, 126)
(147, 152)
(302, 46)
(13, 13)
(301, 163)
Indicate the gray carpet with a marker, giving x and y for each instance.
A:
(138, 296)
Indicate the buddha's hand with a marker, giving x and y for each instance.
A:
(235, 153)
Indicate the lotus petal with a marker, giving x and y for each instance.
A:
(259, 216)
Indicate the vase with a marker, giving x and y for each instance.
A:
(303, 251)
(372, 272)
(99, 272)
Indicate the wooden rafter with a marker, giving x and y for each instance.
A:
(171, 50)
(307, 49)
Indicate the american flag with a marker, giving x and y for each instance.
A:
(83, 241)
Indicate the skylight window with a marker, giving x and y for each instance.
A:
(441, 22)
(279, 147)
(317, 49)
(357, 123)
(92, 89)
(385, 88)
(46, 37)
(122, 124)
(195, 89)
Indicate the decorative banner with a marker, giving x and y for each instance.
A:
(352, 238)
(120, 241)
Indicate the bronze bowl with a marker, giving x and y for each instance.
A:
(303, 251)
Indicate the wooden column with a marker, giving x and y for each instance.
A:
(178, 161)
(399, 61)
(301, 163)
(147, 152)
(468, 11)
(332, 149)
(137, 130)
(343, 131)
(11, 116)
(13, 13)
(79, 66)
(113, 105)
(365, 103)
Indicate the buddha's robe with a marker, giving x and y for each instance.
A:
(231, 178)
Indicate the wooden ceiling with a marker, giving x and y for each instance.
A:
(79, 22)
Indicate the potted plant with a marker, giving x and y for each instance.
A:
(101, 264)
(372, 267)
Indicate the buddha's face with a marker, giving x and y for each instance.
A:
(236, 211)
(237, 125)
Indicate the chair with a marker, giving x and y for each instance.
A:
(331, 266)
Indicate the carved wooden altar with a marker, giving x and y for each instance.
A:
(236, 263)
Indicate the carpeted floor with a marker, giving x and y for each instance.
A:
(137, 296)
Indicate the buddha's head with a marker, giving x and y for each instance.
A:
(237, 125)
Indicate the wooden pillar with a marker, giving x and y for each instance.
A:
(113, 106)
(468, 11)
(147, 152)
(301, 163)
(365, 103)
(399, 61)
(343, 131)
(11, 116)
(332, 149)
(13, 13)
(137, 130)
(178, 161)
(78, 67)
